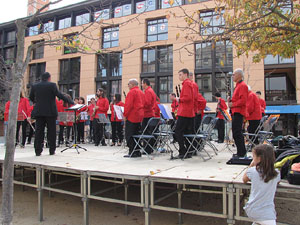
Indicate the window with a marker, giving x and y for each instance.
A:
(48, 27)
(82, 19)
(194, 1)
(70, 41)
(34, 30)
(123, 10)
(145, 6)
(101, 15)
(214, 23)
(157, 30)
(64, 23)
(70, 76)
(214, 61)
(270, 59)
(10, 37)
(166, 4)
(109, 73)
(38, 52)
(157, 66)
(9, 54)
(1, 36)
(35, 72)
(111, 37)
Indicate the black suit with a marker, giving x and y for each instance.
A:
(43, 94)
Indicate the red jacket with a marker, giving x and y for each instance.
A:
(103, 105)
(262, 104)
(149, 104)
(186, 101)
(239, 99)
(113, 116)
(201, 104)
(253, 107)
(196, 91)
(174, 105)
(24, 107)
(134, 105)
(91, 111)
(156, 108)
(221, 105)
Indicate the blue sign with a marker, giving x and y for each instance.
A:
(282, 109)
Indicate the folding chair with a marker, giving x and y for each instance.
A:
(264, 135)
(252, 137)
(163, 135)
(152, 124)
(202, 137)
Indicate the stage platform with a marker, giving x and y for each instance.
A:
(107, 164)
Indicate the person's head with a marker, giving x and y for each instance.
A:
(258, 94)
(172, 97)
(191, 76)
(100, 92)
(132, 83)
(264, 159)
(238, 75)
(66, 104)
(46, 76)
(218, 95)
(81, 100)
(183, 74)
(93, 101)
(117, 98)
(76, 100)
(145, 84)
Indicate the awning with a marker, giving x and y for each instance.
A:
(282, 109)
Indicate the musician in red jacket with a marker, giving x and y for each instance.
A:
(197, 118)
(116, 123)
(174, 105)
(221, 122)
(101, 107)
(253, 113)
(149, 106)
(186, 112)
(23, 116)
(134, 114)
(262, 103)
(91, 113)
(238, 106)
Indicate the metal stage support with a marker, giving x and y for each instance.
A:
(231, 192)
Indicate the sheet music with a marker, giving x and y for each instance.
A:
(119, 112)
(76, 107)
(165, 111)
(84, 116)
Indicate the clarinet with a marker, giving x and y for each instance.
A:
(177, 92)
(124, 93)
(179, 88)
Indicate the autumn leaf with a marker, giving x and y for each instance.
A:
(171, 2)
(177, 36)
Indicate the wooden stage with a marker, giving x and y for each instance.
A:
(107, 165)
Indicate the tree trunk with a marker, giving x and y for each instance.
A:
(8, 164)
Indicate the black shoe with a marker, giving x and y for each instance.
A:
(38, 154)
(136, 154)
(96, 144)
(126, 156)
(219, 141)
(104, 144)
(52, 153)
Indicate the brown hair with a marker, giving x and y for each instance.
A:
(265, 167)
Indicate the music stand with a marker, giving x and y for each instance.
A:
(74, 108)
(104, 120)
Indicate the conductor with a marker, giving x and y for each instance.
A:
(43, 95)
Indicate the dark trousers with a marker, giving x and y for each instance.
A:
(80, 131)
(198, 119)
(24, 126)
(253, 125)
(237, 126)
(184, 126)
(131, 129)
(61, 133)
(221, 130)
(117, 131)
(98, 132)
(31, 131)
(91, 131)
(41, 122)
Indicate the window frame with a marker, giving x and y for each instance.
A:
(157, 22)
(38, 52)
(110, 31)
